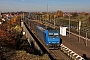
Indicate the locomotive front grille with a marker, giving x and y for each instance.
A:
(54, 46)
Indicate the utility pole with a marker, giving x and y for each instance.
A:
(54, 22)
(69, 24)
(86, 36)
(47, 11)
(23, 15)
(47, 16)
(79, 29)
(86, 39)
(0, 14)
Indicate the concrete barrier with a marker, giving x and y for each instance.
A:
(71, 53)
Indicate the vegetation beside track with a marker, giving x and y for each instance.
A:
(14, 46)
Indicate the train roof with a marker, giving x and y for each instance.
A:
(53, 31)
(46, 28)
(41, 28)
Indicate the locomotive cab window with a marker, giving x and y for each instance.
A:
(51, 34)
(56, 34)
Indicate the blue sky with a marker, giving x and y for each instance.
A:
(41, 5)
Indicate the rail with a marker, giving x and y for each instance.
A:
(57, 54)
(68, 51)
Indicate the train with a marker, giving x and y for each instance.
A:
(50, 36)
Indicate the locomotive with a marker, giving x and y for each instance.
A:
(50, 37)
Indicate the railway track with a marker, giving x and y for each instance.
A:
(55, 54)
(59, 55)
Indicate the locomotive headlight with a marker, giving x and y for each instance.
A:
(49, 42)
(53, 38)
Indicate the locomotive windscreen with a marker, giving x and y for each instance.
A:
(53, 34)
